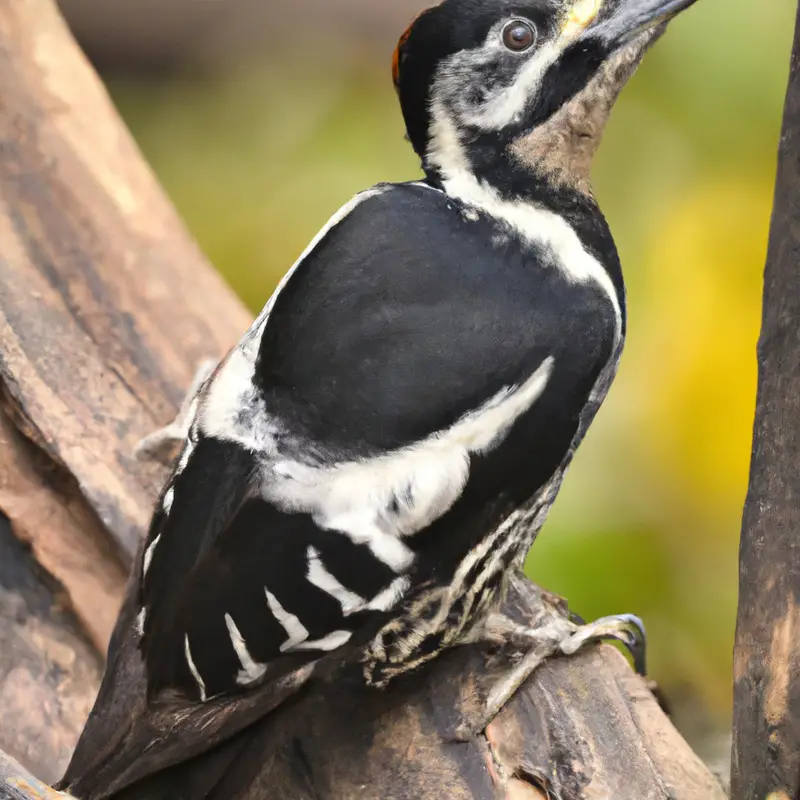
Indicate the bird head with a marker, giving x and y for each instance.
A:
(536, 78)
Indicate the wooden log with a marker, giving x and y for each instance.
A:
(766, 733)
(106, 308)
(49, 672)
(106, 305)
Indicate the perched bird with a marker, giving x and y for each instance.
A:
(363, 470)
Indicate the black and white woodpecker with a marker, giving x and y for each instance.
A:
(363, 470)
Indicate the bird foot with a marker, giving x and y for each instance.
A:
(553, 635)
(625, 628)
(161, 445)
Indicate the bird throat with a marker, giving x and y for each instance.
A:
(561, 150)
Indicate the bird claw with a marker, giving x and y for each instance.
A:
(625, 628)
(554, 635)
(162, 444)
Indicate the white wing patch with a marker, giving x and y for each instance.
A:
(327, 643)
(375, 501)
(319, 576)
(169, 497)
(359, 525)
(295, 630)
(382, 499)
(350, 602)
(148, 554)
(193, 669)
(251, 670)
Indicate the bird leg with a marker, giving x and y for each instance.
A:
(160, 445)
(553, 635)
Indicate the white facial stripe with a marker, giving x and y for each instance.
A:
(319, 576)
(446, 153)
(193, 669)
(541, 226)
(508, 106)
(295, 629)
(505, 105)
(251, 670)
(445, 149)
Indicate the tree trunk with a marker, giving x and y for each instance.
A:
(106, 308)
(766, 742)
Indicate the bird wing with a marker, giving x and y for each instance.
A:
(408, 340)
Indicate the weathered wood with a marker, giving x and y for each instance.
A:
(48, 671)
(106, 308)
(766, 748)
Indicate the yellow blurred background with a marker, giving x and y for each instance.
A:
(258, 148)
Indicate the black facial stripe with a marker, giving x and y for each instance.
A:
(565, 78)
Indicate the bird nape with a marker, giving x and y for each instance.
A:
(364, 470)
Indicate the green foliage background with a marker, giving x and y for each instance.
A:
(256, 160)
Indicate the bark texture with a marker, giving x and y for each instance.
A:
(766, 747)
(106, 305)
(106, 308)
(48, 670)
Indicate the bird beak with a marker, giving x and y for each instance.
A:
(616, 22)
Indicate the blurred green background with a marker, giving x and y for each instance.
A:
(259, 149)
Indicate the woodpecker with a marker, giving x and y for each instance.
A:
(362, 472)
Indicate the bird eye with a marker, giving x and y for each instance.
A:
(519, 35)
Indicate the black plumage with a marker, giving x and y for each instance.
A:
(478, 315)
(475, 306)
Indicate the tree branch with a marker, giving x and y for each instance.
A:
(766, 747)
(106, 306)
(48, 671)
